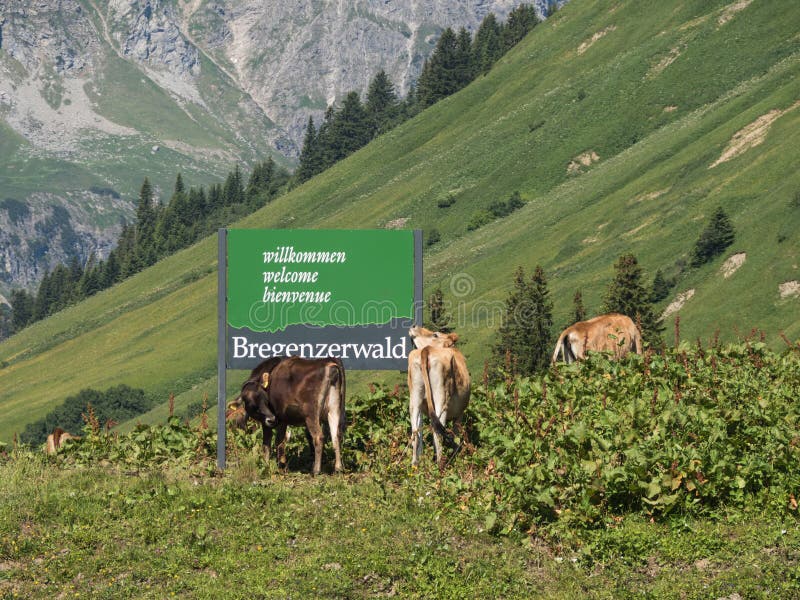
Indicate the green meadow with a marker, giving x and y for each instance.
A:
(610, 119)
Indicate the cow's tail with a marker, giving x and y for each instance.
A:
(436, 424)
(340, 381)
(637, 340)
(560, 346)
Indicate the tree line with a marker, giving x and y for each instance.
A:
(158, 231)
(457, 60)
(524, 342)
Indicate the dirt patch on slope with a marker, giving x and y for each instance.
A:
(600, 34)
(580, 162)
(751, 135)
(732, 264)
(666, 61)
(678, 303)
(650, 195)
(397, 223)
(789, 289)
(730, 11)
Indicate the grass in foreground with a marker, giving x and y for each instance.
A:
(107, 533)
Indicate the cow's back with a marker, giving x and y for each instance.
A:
(298, 388)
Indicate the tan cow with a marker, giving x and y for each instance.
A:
(438, 377)
(614, 333)
(56, 439)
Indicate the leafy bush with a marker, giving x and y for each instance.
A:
(497, 210)
(433, 237)
(118, 403)
(691, 432)
(479, 219)
(685, 431)
(446, 202)
(145, 446)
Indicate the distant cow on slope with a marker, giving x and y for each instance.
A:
(437, 377)
(56, 439)
(284, 391)
(612, 333)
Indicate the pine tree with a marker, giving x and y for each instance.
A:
(409, 107)
(325, 140)
(259, 186)
(90, 282)
(179, 188)
(487, 45)
(215, 199)
(145, 250)
(381, 104)
(442, 73)
(439, 318)
(525, 334)
(718, 235)
(426, 91)
(541, 327)
(351, 129)
(626, 295)
(660, 288)
(520, 21)
(465, 71)
(110, 272)
(233, 190)
(310, 155)
(22, 309)
(578, 311)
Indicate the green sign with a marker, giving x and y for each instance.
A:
(278, 278)
(349, 294)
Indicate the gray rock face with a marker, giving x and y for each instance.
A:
(41, 233)
(234, 80)
(296, 58)
(149, 33)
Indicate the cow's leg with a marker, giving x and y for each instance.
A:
(315, 429)
(280, 445)
(440, 405)
(335, 420)
(266, 441)
(416, 388)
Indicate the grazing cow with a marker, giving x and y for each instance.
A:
(56, 439)
(612, 333)
(438, 376)
(236, 415)
(284, 391)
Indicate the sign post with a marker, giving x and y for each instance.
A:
(349, 294)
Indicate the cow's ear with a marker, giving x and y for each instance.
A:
(265, 380)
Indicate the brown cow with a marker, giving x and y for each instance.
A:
(56, 439)
(235, 414)
(614, 333)
(438, 376)
(284, 391)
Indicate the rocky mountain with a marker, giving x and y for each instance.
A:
(95, 95)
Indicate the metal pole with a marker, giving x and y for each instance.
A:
(222, 358)
(419, 302)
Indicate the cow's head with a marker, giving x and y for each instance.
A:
(235, 414)
(255, 399)
(425, 337)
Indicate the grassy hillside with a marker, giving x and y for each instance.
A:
(649, 95)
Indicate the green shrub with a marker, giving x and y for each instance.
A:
(118, 403)
(683, 432)
(479, 219)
